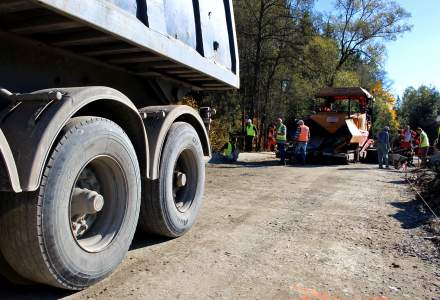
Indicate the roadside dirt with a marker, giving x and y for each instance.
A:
(268, 231)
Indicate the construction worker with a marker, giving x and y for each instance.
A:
(251, 132)
(302, 137)
(407, 136)
(424, 146)
(230, 151)
(271, 141)
(406, 145)
(281, 140)
(383, 147)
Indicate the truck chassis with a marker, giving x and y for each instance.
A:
(91, 145)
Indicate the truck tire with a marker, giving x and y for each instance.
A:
(8, 273)
(76, 229)
(171, 203)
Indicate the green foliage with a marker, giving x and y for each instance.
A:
(383, 116)
(420, 108)
(228, 118)
(320, 57)
(384, 113)
(346, 78)
(359, 26)
(287, 41)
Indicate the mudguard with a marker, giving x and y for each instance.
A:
(8, 170)
(158, 120)
(31, 129)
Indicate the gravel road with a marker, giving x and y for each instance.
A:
(268, 231)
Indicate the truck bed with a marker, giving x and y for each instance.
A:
(189, 42)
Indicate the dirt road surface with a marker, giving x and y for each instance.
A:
(275, 232)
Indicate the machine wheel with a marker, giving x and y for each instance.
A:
(170, 204)
(76, 229)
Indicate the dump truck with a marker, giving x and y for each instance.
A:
(340, 127)
(92, 143)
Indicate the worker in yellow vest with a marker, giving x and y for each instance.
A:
(424, 146)
(281, 140)
(230, 151)
(302, 137)
(251, 133)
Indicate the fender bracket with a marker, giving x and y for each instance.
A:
(158, 120)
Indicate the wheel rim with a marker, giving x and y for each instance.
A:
(185, 180)
(98, 203)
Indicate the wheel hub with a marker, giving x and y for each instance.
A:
(83, 209)
(97, 203)
(184, 181)
(180, 179)
(85, 201)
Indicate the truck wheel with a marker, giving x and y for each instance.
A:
(76, 229)
(170, 204)
(8, 273)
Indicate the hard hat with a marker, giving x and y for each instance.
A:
(248, 121)
(300, 122)
(386, 128)
(438, 119)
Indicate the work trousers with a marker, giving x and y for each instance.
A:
(423, 156)
(382, 155)
(248, 143)
(301, 152)
(231, 158)
(282, 151)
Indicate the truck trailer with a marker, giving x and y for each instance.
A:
(92, 143)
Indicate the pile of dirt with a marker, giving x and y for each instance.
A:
(433, 227)
(427, 182)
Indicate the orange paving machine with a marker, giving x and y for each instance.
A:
(341, 127)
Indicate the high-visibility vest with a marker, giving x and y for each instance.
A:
(424, 141)
(228, 151)
(250, 130)
(303, 134)
(281, 133)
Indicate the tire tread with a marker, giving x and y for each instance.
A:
(21, 236)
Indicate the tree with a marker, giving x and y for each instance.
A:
(362, 25)
(384, 113)
(288, 52)
(272, 34)
(420, 108)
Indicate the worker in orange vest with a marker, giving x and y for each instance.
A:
(271, 141)
(302, 137)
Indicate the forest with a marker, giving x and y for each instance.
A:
(288, 50)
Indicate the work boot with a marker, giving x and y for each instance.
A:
(380, 167)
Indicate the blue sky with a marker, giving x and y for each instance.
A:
(414, 59)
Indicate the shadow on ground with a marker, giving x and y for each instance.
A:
(402, 181)
(354, 169)
(258, 164)
(12, 291)
(142, 240)
(410, 214)
(245, 164)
